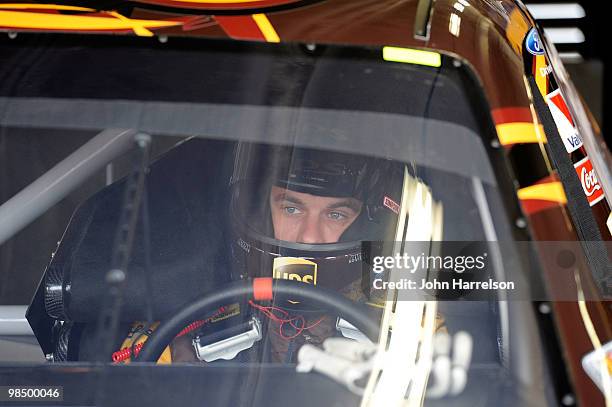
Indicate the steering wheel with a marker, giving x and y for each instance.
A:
(259, 289)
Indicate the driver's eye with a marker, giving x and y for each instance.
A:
(337, 216)
(291, 210)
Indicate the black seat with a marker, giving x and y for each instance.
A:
(187, 193)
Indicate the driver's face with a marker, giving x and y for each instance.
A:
(305, 218)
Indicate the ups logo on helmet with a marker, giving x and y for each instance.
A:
(295, 269)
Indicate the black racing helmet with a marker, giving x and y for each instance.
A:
(375, 182)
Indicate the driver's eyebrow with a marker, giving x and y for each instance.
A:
(352, 204)
(283, 197)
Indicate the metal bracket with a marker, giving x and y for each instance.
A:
(228, 348)
(349, 331)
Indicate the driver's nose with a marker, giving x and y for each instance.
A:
(311, 231)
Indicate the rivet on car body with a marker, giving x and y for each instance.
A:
(568, 400)
(544, 308)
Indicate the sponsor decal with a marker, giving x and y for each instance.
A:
(244, 245)
(546, 70)
(588, 179)
(354, 257)
(296, 269)
(563, 120)
(598, 365)
(533, 43)
(539, 69)
(391, 204)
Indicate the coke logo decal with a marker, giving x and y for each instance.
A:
(588, 179)
(589, 182)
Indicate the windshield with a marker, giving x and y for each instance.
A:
(310, 165)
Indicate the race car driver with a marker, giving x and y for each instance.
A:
(301, 214)
(318, 209)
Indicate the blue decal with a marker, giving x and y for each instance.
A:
(533, 43)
